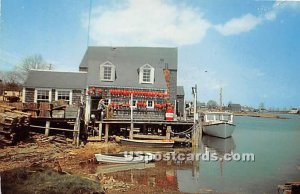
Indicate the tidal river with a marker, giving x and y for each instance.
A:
(275, 143)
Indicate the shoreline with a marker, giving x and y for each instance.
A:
(42, 155)
(260, 115)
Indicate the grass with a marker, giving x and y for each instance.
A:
(37, 180)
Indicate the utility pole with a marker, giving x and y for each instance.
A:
(195, 101)
(197, 132)
(131, 117)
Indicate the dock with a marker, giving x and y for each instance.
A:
(148, 129)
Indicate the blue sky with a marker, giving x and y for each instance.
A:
(249, 48)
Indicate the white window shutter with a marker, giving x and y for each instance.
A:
(113, 73)
(101, 72)
(141, 75)
(152, 75)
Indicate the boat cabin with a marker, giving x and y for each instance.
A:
(211, 117)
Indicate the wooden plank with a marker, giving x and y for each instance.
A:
(153, 137)
(94, 139)
(52, 128)
(126, 121)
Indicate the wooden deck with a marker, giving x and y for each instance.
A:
(145, 121)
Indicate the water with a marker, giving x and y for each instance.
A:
(275, 143)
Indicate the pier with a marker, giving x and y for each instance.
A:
(179, 131)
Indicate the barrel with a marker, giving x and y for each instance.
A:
(169, 114)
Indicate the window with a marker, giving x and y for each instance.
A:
(43, 95)
(107, 71)
(150, 104)
(146, 74)
(65, 95)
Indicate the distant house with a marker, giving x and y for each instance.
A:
(112, 74)
(235, 107)
(202, 105)
(49, 86)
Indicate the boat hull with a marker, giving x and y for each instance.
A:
(148, 143)
(124, 158)
(222, 130)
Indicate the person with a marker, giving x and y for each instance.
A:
(101, 108)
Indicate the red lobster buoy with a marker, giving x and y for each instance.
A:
(169, 113)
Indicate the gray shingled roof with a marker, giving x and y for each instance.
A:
(180, 91)
(55, 79)
(127, 61)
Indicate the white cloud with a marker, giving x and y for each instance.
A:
(248, 22)
(286, 3)
(239, 25)
(147, 22)
(165, 23)
(271, 15)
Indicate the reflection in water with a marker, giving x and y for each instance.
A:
(199, 177)
(158, 174)
(261, 176)
(217, 145)
(103, 169)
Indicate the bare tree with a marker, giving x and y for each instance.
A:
(261, 106)
(28, 63)
(212, 104)
(9, 81)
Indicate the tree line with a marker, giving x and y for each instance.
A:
(14, 79)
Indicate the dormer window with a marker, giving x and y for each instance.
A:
(107, 72)
(146, 74)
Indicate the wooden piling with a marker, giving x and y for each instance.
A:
(195, 136)
(106, 132)
(100, 130)
(144, 128)
(47, 128)
(131, 131)
(168, 132)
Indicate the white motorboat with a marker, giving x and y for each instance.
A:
(218, 124)
(125, 158)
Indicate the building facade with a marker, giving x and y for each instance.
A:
(112, 74)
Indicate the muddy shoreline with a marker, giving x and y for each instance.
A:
(58, 155)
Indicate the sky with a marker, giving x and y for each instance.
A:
(249, 48)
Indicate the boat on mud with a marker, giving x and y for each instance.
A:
(125, 157)
(148, 143)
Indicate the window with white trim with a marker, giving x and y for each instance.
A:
(107, 71)
(65, 95)
(42, 95)
(150, 104)
(146, 74)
